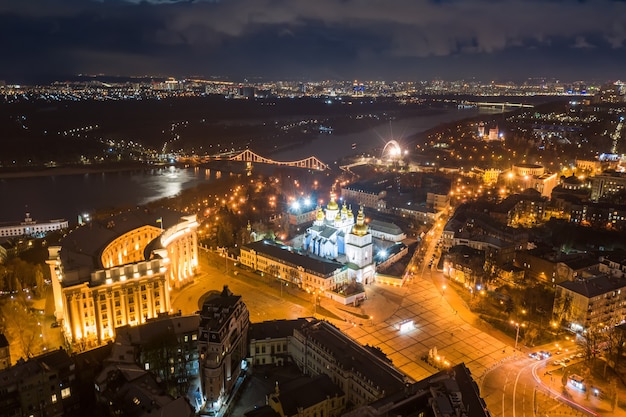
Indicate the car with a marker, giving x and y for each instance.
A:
(545, 354)
(580, 355)
(55, 324)
(558, 352)
(557, 363)
(566, 360)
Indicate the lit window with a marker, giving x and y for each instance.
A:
(65, 393)
(54, 399)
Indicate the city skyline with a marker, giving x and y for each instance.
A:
(239, 39)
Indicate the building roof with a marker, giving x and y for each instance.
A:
(135, 393)
(23, 370)
(594, 286)
(349, 355)
(385, 227)
(263, 411)
(56, 359)
(573, 180)
(157, 328)
(274, 329)
(305, 392)
(288, 255)
(81, 248)
(217, 309)
(371, 186)
(617, 256)
(453, 391)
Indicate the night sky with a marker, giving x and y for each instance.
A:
(314, 39)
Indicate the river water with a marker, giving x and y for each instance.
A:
(67, 196)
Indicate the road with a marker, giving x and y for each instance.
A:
(522, 387)
(264, 301)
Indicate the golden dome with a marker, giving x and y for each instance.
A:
(350, 213)
(320, 214)
(344, 209)
(338, 217)
(360, 228)
(332, 204)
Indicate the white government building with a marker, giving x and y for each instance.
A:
(31, 227)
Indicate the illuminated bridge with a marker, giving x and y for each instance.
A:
(494, 105)
(309, 163)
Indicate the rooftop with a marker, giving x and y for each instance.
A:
(385, 227)
(217, 308)
(594, 286)
(82, 247)
(351, 356)
(451, 392)
(311, 263)
(305, 392)
(274, 329)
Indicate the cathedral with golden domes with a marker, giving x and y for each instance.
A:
(336, 234)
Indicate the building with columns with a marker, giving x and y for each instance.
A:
(119, 271)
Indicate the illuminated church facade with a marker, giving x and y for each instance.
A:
(336, 234)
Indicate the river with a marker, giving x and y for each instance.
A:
(67, 196)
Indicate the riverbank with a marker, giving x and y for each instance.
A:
(29, 172)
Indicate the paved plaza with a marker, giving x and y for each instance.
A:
(441, 319)
(441, 322)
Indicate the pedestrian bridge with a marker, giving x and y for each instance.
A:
(309, 163)
(493, 105)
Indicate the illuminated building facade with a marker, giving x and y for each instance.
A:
(336, 249)
(291, 267)
(598, 301)
(222, 344)
(31, 227)
(606, 184)
(320, 348)
(120, 271)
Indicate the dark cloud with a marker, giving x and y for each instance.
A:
(382, 38)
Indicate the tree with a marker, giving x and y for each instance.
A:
(616, 338)
(530, 336)
(39, 281)
(589, 341)
(21, 327)
(562, 306)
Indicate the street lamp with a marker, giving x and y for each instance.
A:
(517, 326)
